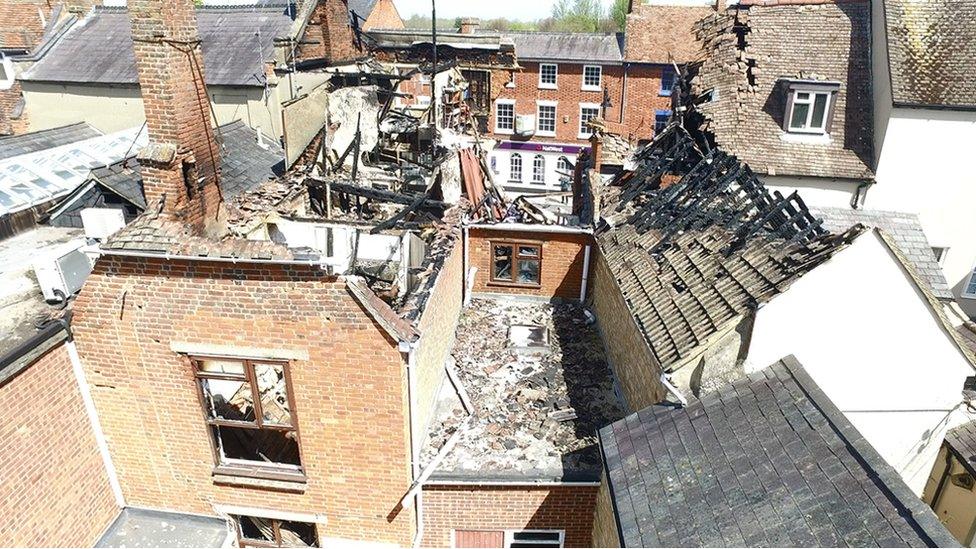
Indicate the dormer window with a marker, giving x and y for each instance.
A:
(6, 73)
(810, 107)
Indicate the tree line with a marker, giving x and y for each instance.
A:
(566, 16)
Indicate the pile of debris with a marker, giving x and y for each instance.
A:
(539, 388)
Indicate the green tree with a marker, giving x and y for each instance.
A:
(618, 14)
(577, 15)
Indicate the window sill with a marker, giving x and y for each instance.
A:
(545, 134)
(591, 88)
(503, 284)
(664, 93)
(809, 138)
(284, 481)
(548, 87)
(504, 132)
(967, 296)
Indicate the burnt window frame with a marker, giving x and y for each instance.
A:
(240, 467)
(243, 541)
(793, 87)
(517, 258)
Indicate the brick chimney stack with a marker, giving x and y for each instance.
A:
(720, 5)
(469, 25)
(182, 161)
(330, 34)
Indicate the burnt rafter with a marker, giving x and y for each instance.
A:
(677, 188)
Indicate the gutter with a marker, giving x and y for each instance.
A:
(525, 227)
(181, 257)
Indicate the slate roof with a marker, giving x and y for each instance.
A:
(16, 145)
(743, 90)
(244, 165)
(709, 247)
(932, 51)
(962, 441)
(97, 49)
(906, 231)
(769, 461)
(570, 47)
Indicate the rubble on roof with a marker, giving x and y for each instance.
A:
(537, 401)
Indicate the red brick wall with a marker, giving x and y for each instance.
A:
(54, 490)
(639, 105)
(171, 78)
(562, 262)
(568, 508)
(329, 28)
(8, 102)
(384, 16)
(22, 26)
(350, 395)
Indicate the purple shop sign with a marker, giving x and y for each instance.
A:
(541, 147)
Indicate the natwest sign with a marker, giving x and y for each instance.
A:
(541, 147)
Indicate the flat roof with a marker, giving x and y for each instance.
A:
(136, 527)
(535, 410)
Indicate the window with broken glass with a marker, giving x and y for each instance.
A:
(250, 412)
(516, 263)
(265, 532)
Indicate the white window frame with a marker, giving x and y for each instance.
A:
(969, 282)
(8, 69)
(583, 134)
(511, 168)
(498, 103)
(555, 83)
(510, 535)
(940, 256)
(538, 118)
(538, 176)
(811, 101)
(599, 80)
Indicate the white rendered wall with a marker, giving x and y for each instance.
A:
(866, 335)
(926, 168)
(815, 191)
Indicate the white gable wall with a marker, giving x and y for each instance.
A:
(867, 336)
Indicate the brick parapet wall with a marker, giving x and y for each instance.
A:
(562, 262)
(350, 397)
(54, 491)
(480, 507)
(328, 34)
(633, 364)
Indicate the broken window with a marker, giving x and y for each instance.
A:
(539, 169)
(661, 119)
(265, 532)
(250, 413)
(516, 263)
(547, 75)
(516, 168)
(534, 538)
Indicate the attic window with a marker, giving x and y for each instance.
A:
(810, 107)
(6, 73)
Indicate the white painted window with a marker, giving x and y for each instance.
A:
(6, 72)
(564, 166)
(548, 73)
(588, 111)
(539, 169)
(940, 254)
(970, 290)
(504, 116)
(546, 118)
(535, 538)
(592, 77)
(809, 111)
(515, 168)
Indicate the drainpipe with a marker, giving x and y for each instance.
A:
(86, 397)
(586, 273)
(623, 93)
(409, 349)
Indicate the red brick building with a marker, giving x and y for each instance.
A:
(539, 116)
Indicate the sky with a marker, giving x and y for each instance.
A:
(524, 10)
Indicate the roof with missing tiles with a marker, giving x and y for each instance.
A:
(16, 145)
(768, 461)
(97, 49)
(749, 56)
(932, 51)
(695, 255)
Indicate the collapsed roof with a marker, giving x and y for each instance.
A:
(768, 461)
(695, 240)
(737, 88)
